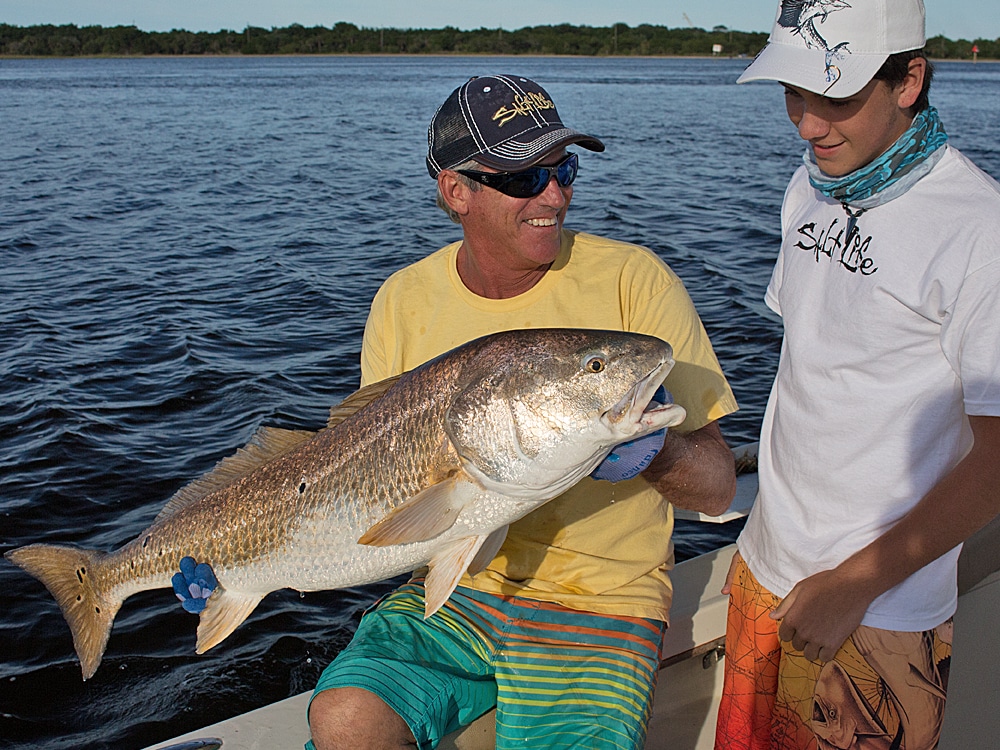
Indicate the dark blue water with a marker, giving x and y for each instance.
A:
(187, 251)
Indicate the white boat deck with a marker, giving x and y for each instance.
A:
(690, 679)
(686, 696)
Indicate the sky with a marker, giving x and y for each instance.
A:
(956, 19)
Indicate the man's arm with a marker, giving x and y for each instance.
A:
(695, 471)
(821, 611)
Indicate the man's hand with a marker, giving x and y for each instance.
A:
(628, 460)
(194, 584)
(820, 613)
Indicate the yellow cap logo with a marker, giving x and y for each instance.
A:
(522, 105)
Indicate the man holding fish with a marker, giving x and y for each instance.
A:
(501, 373)
(560, 631)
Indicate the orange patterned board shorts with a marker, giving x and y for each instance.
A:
(884, 690)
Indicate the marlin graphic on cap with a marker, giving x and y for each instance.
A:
(802, 15)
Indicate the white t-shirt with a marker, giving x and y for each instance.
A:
(891, 338)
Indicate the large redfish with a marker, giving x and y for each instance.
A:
(425, 469)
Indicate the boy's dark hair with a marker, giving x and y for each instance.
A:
(895, 68)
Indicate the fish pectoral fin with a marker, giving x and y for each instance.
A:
(422, 517)
(222, 615)
(488, 550)
(445, 570)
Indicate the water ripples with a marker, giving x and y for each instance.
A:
(189, 250)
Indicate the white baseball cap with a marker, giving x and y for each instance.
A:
(835, 47)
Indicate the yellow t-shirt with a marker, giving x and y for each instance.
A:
(600, 547)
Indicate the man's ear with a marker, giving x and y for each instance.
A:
(909, 89)
(454, 192)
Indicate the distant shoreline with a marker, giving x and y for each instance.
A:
(397, 55)
(346, 39)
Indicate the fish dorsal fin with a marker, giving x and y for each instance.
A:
(223, 613)
(445, 570)
(488, 551)
(425, 515)
(360, 398)
(266, 445)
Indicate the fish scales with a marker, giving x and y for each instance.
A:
(425, 469)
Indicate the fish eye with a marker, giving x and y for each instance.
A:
(594, 363)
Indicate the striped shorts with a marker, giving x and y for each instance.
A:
(558, 678)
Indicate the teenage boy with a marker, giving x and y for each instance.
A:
(878, 452)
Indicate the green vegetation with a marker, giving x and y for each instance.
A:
(346, 38)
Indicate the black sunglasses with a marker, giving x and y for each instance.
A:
(527, 183)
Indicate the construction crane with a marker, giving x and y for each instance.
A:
(688, 20)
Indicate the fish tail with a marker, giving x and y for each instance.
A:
(72, 576)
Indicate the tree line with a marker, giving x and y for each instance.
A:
(346, 38)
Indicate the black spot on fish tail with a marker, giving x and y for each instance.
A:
(74, 577)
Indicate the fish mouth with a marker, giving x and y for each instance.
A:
(637, 405)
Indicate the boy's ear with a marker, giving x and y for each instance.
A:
(913, 83)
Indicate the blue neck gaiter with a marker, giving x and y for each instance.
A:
(911, 157)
